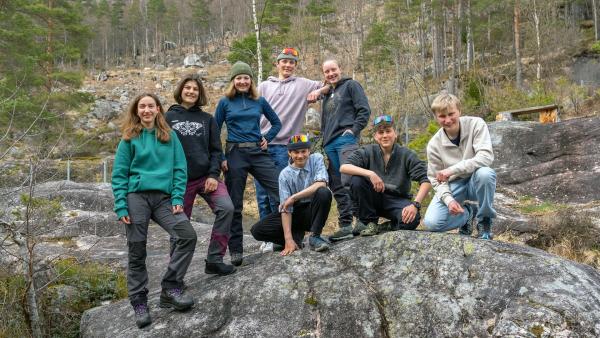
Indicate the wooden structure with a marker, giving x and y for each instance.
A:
(548, 114)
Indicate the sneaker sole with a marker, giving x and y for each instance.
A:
(320, 249)
(337, 239)
(165, 304)
(218, 273)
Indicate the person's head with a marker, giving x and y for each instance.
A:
(145, 111)
(384, 131)
(332, 71)
(287, 61)
(190, 92)
(446, 108)
(299, 149)
(241, 81)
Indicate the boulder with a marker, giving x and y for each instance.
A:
(557, 162)
(105, 109)
(192, 60)
(398, 284)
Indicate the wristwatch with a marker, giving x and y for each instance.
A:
(416, 204)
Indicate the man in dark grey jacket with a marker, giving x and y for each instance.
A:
(381, 180)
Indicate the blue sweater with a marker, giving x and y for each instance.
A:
(242, 116)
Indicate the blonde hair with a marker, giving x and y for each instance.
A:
(131, 125)
(443, 101)
(231, 92)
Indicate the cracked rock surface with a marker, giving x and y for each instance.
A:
(398, 284)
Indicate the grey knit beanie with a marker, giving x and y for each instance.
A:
(240, 68)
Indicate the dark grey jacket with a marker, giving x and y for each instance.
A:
(403, 167)
(344, 107)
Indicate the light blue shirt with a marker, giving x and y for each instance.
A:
(293, 180)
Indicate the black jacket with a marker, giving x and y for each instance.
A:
(403, 167)
(199, 136)
(344, 107)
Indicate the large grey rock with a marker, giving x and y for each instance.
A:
(105, 109)
(399, 284)
(192, 60)
(557, 162)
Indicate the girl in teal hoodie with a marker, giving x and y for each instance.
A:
(148, 180)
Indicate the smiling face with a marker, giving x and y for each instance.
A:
(190, 93)
(332, 72)
(385, 136)
(299, 157)
(286, 68)
(147, 109)
(449, 120)
(242, 83)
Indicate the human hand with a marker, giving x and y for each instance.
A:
(125, 219)
(409, 213)
(443, 175)
(455, 208)
(313, 96)
(177, 209)
(287, 203)
(290, 246)
(224, 166)
(210, 185)
(377, 182)
(264, 144)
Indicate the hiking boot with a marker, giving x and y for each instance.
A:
(142, 315)
(467, 228)
(174, 298)
(237, 258)
(371, 230)
(220, 269)
(342, 233)
(358, 228)
(266, 247)
(317, 243)
(484, 228)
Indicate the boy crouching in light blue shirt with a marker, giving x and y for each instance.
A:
(304, 201)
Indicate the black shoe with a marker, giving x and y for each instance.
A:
(220, 269)
(484, 227)
(142, 315)
(237, 258)
(174, 298)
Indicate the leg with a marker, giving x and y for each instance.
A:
(337, 152)
(220, 203)
(482, 187)
(392, 209)
(193, 188)
(438, 218)
(365, 198)
(180, 228)
(270, 229)
(319, 210)
(137, 232)
(263, 169)
(235, 179)
(279, 155)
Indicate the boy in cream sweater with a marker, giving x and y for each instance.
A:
(459, 157)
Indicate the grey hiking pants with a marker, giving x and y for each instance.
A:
(155, 205)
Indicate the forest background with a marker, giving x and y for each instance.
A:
(495, 55)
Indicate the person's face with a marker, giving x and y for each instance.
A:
(286, 68)
(242, 83)
(190, 93)
(449, 120)
(147, 109)
(332, 72)
(299, 157)
(385, 136)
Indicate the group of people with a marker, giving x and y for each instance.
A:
(167, 158)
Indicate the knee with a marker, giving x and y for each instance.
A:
(255, 231)
(485, 175)
(186, 236)
(358, 183)
(227, 206)
(137, 252)
(433, 222)
(323, 194)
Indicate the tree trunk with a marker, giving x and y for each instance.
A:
(49, 50)
(595, 14)
(517, 43)
(258, 46)
(470, 45)
(536, 20)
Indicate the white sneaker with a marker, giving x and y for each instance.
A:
(266, 247)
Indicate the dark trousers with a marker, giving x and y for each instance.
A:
(337, 152)
(142, 207)
(259, 164)
(306, 216)
(372, 205)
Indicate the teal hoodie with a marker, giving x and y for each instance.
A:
(144, 163)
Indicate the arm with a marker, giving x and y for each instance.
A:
(215, 148)
(120, 178)
(317, 90)
(361, 106)
(376, 181)
(435, 165)
(290, 244)
(179, 172)
(271, 117)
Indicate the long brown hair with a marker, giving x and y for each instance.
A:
(202, 99)
(131, 125)
(231, 92)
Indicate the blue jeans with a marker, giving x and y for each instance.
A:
(279, 154)
(337, 151)
(480, 187)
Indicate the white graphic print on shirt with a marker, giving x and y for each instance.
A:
(187, 128)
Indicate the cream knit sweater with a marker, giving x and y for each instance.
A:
(474, 151)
